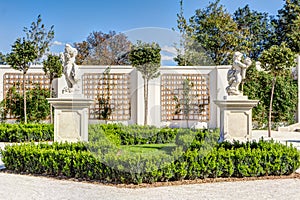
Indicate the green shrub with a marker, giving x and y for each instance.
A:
(26, 132)
(223, 160)
(135, 134)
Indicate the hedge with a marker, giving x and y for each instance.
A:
(135, 134)
(26, 132)
(222, 160)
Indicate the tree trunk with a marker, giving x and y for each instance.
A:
(24, 93)
(51, 114)
(270, 109)
(146, 101)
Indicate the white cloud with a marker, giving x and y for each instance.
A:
(169, 49)
(167, 58)
(57, 43)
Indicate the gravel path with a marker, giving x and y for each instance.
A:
(17, 187)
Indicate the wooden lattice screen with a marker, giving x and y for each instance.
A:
(176, 105)
(16, 80)
(111, 94)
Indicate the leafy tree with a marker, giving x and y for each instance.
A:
(83, 52)
(146, 58)
(23, 53)
(258, 85)
(36, 101)
(39, 36)
(103, 49)
(256, 28)
(53, 69)
(190, 52)
(214, 28)
(2, 59)
(186, 101)
(278, 60)
(287, 24)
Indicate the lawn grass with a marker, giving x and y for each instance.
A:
(149, 148)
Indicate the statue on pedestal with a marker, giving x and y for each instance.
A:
(237, 73)
(70, 69)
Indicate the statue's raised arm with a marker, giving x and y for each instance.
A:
(237, 73)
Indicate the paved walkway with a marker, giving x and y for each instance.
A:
(17, 187)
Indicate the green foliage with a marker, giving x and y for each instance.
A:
(133, 134)
(53, 67)
(23, 53)
(287, 25)
(256, 28)
(145, 57)
(2, 58)
(36, 101)
(215, 30)
(224, 160)
(106, 106)
(26, 132)
(258, 86)
(39, 36)
(278, 59)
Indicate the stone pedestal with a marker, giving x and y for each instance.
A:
(70, 119)
(235, 118)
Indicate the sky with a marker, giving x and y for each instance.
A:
(74, 20)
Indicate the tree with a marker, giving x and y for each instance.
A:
(2, 59)
(83, 52)
(146, 58)
(287, 23)
(23, 53)
(256, 28)
(36, 101)
(216, 31)
(53, 69)
(189, 52)
(103, 49)
(278, 60)
(258, 85)
(39, 36)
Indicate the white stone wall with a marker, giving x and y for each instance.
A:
(217, 78)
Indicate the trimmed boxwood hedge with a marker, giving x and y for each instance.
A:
(199, 160)
(26, 132)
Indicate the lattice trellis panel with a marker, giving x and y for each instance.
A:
(191, 103)
(16, 80)
(112, 95)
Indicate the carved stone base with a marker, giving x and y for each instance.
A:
(236, 118)
(70, 119)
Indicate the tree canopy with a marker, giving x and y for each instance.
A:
(103, 49)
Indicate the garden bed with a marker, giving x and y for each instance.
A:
(187, 155)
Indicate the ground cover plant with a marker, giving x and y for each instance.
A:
(187, 155)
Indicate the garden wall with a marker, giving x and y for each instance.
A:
(122, 90)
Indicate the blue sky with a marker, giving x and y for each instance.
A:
(73, 20)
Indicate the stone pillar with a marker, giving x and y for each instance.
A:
(70, 119)
(235, 118)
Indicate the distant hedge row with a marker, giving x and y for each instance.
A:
(26, 132)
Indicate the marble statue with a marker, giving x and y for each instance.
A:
(237, 73)
(70, 69)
